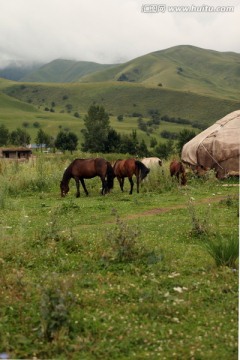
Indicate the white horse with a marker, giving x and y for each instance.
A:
(152, 162)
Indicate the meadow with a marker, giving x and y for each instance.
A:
(153, 275)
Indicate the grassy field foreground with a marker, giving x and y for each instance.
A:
(116, 276)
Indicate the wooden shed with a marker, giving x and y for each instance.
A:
(15, 153)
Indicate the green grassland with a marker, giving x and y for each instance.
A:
(115, 276)
(119, 276)
(124, 98)
(27, 102)
(15, 112)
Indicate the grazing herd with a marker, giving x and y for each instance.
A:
(81, 169)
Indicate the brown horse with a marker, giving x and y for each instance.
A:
(81, 169)
(128, 168)
(176, 169)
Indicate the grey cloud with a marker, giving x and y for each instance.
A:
(108, 30)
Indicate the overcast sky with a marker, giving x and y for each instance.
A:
(110, 31)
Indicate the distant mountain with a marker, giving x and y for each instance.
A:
(64, 71)
(17, 72)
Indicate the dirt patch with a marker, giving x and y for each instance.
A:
(157, 211)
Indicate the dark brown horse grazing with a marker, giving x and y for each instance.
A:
(128, 168)
(81, 169)
(176, 169)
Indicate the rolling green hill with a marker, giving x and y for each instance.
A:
(64, 71)
(185, 68)
(123, 98)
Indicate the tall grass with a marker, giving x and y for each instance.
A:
(200, 224)
(36, 175)
(159, 179)
(223, 249)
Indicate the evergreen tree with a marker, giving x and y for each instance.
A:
(163, 151)
(184, 136)
(20, 137)
(97, 127)
(72, 141)
(66, 141)
(4, 135)
(42, 138)
(61, 141)
(142, 149)
(153, 142)
(113, 141)
(129, 143)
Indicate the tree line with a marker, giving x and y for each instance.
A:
(98, 136)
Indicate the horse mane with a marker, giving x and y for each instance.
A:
(140, 165)
(67, 174)
(142, 168)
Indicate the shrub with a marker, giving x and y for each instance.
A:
(76, 114)
(122, 240)
(120, 117)
(224, 250)
(55, 307)
(36, 124)
(199, 226)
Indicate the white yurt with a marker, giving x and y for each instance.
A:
(217, 147)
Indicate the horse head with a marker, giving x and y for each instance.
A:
(183, 179)
(64, 188)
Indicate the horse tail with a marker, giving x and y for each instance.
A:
(110, 176)
(143, 170)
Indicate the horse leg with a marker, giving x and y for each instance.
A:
(131, 183)
(104, 186)
(83, 185)
(138, 181)
(121, 182)
(78, 187)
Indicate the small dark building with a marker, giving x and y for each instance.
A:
(15, 153)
